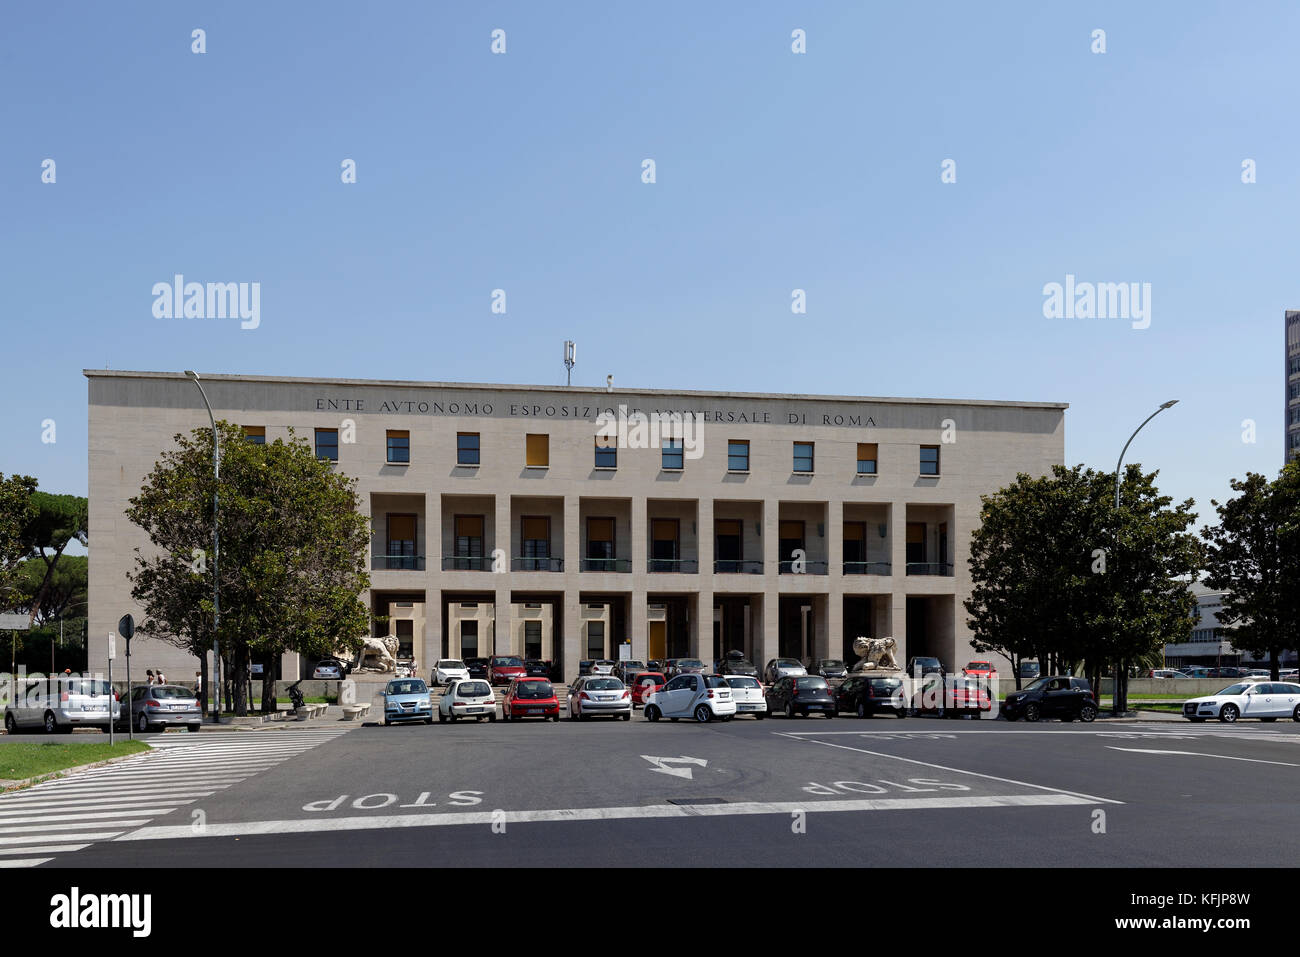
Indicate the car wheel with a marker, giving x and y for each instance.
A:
(862, 710)
(789, 710)
(901, 713)
(387, 723)
(1229, 713)
(1088, 713)
(11, 724)
(651, 713)
(703, 715)
(452, 718)
(628, 716)
(426, 721)
(1032, 711)
(505, 714)
(51, 726)
(830, 714)
(492, 719)
(1295, 715)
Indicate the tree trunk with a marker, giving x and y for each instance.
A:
(240, 681)
(1274, 665)
(269, 705)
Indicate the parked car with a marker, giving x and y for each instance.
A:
(503, 668)
(1226, 672)
(328, 669)
(738, 666)
(537, 668)
(1196, 671)
(1029, 669)
(477, 668)
(801, 694)
(60, 704)
(603, 666)
(530, 698)
(1266, 700)
(692, 695)
(644, 684)
(670, 668)
(599, 695)
(829, 668)
(980, 669)
(920, 665)
(626, 669)
(407, 699)
(657, 664)
(951, 696)
(747, 692)
(468, 699)
(1292, 675)
(447, 670)
(1058, 696)
(1163, 674)
(865, 696)
(689, 666)
(779, 668)
(154, 707)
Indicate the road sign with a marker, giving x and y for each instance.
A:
(112, 646)
(126, 627)
(14, 622)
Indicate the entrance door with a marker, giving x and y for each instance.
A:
(658, 639)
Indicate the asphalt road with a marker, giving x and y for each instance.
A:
(916, 792)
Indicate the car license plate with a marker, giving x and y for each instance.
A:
(473, 710)
(537, 711)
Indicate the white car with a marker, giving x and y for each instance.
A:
(1158, 673)
(702, 697)
(447, 670)
(327, 671)
(748, 695)
(468, 699)
(62, 703)
(1266, 700)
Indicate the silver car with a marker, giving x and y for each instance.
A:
(599, 695)
(154, 707)
(407, 699)
(62, 703)
(779, 668)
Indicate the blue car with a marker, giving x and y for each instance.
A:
(407, 699)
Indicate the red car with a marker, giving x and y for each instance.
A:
(644, 684)
(980, 669)
(953, 696)
(530, 698)
(502, 669)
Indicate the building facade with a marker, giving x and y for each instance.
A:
(561, 523)
(1292, 381)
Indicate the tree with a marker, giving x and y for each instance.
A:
(16, 511)
(293, 552)
(46, 592)
(1254, 558)
(1058, 573)
(58, 520)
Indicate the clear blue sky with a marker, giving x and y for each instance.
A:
(775, 171)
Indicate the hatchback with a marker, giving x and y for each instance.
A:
(865, 696)
(530, 698)
(802, 694)
(748, 695)
(468, 699)
(448, 670)
(599, 695)
(157, 706)
(779, 668)
(61, 704)
(702, 697)
(644, 684)
(504, 668)
(1058, 696)
(407, 699)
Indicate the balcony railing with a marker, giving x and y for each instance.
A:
(687, 565)
(607, 564)
(809, 568)
(466, 563)
(400, 562)
(537, 564)
(929, 568)
(867, 568)
(731, 566)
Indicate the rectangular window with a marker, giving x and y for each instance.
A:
(738, 455)
(728, 544)
(255, 434)
(915, 543)
(663, 545)
(866, 458)
(468, 639)
(929, 460)
(535, 533)
(855, 542)
(532, 639)
(673, 458)
(595, 639)
(467, 448)
(327, 444)
(537, 451)
(803, 456)
(400, 550)
(600, 544)
(399, 447)
(791, 539)
(469, 542)
(606, 452)
(405, 638)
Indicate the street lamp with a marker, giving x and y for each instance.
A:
(1114, 696)
(216, 553)
(80, 604)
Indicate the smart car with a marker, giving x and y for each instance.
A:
(1057, 696)
(702, 697)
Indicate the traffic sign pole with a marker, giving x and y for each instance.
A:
(112, 653)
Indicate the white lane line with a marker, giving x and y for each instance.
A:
(379, 822)
(108, 801)
(26, 862)
(39, 838)
(991, 777)
(115, 787)
(1272, 735)
(47, 849)
(1200, 754)
(42, 826)
(86, 811)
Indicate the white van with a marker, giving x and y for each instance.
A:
(62, 703)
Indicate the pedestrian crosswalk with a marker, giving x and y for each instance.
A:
(103, 803)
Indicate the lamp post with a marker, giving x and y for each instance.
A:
(216, 553)
(80, 604)
(1114, 696)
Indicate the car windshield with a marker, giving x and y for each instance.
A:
(534, 689)
(407, 686)
(450, 663)
(603, 684)
(689, 663)
(1038, 685)
(648, 678)
(743, 682)
(1234, 689)
(172, 691)
(810, 684)
(472, 689)
(787, 663)
(716, 681)
(508, 662)
(832, 663)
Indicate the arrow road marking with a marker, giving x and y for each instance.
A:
(1199, 754)
(661, 765)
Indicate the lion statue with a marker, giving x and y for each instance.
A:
(876, 654)
(384, 650)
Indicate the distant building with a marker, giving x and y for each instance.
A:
(1292, 385)
(1210, 643)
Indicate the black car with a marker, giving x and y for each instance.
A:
(738, 666)
(865, 696)
(477, 668)
(536, 668)
(829, 668)
(919, 666)
(1057, 696)
(657, 664)
(801, 695)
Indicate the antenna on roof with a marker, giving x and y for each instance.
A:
(570, 359)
